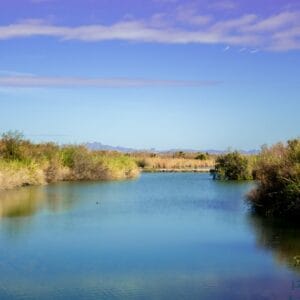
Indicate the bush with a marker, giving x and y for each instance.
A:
(278, 173)
(232, 166)
(11, 144)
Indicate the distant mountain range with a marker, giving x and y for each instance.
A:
(100, 146)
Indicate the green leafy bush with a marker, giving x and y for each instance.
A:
(232, 166)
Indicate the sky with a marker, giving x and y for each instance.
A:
(193, 74)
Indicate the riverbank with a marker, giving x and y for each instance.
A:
(15, 174)
(24, 163)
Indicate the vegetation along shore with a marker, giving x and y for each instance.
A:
(24, 163)
(276, 169)
(277, 172)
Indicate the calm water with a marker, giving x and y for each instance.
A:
(163, 236)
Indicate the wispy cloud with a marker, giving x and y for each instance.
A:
(279, 32)
(37, 81)
(275, 22)
(128, 31)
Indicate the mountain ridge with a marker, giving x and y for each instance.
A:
(99, 146)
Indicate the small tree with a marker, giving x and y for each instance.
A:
(12, 141)
(232, 166)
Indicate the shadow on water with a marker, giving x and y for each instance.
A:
(280, 238)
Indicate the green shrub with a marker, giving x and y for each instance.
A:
(232, 166)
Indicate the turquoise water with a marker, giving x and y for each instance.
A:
(162, 236)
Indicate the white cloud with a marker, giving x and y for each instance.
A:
(37, 81)
(234, 24)
(278, 32)
(125, 30)
(275, 22)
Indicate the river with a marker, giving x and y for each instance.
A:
(162, 236)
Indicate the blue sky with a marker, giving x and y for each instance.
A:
(164, 74)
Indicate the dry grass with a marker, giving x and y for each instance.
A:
(16, 174)
(170, 163)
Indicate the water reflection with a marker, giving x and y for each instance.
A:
(26, 202)
(20, 203)
(282, 239)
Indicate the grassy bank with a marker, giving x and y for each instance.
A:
(24, 163)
